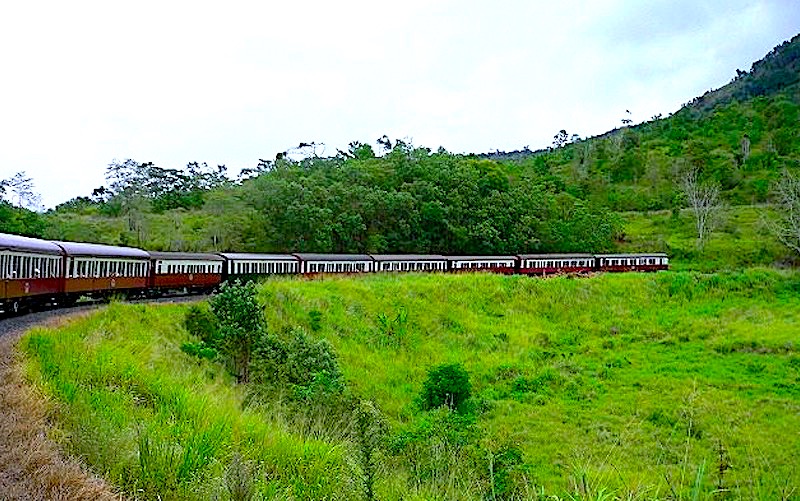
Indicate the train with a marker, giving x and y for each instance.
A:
(39, 273)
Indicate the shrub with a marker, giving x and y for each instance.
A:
(305, 364)
(200, 350)
(241, 324)
(200, 321)
(447, 384)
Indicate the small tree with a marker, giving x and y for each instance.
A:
(786, 194)
(19, 189)
(704, 201)
(446, 385)
(240, 324)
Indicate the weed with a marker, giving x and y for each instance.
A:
(239, 479)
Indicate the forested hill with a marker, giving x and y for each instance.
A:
(397, 197)
(778, 70)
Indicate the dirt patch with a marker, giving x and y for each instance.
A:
(32, 466)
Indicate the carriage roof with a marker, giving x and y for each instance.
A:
(27, 244)
(100, 250)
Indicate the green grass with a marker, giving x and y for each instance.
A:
(742, 239)
(626, 378)
(626, 386)
(160, 424)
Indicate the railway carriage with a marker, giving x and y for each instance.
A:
(495, 264)
(633, 262)
(409, 262)
(188, 271)
(30, 272)
(311, 264)
(97, 270)
(36, 272)
(245, 267)
(549, 264)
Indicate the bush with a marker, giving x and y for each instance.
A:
(200, 321)
(446, 385)
(303, 363)
(200, 350)
(241, 323)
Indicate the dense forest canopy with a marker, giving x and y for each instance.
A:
(397, 197)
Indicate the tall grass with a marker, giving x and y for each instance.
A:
(642, 374)
(744, 239)
(162, 425)
(612, 387)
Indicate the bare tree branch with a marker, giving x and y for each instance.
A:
(786, 195)
(21, 191)
(704, 201)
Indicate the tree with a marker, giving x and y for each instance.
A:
(787, 202)
(446, 384)
(19, 189)
(560, 139)
(704, 201)
(241, 323)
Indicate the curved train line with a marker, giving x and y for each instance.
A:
(41, 273)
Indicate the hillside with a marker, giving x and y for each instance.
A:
(628, 386)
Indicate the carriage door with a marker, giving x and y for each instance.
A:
(5, 260)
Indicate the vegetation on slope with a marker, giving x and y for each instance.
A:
(161, 425)
(625, 386)
(744, 239)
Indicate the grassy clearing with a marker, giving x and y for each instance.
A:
(621, 381)
(743, 239)
(625, 386)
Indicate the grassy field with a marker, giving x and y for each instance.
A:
(675, 385)
(742, 239)
(159, 424)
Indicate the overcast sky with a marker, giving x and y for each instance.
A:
(231, 82)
